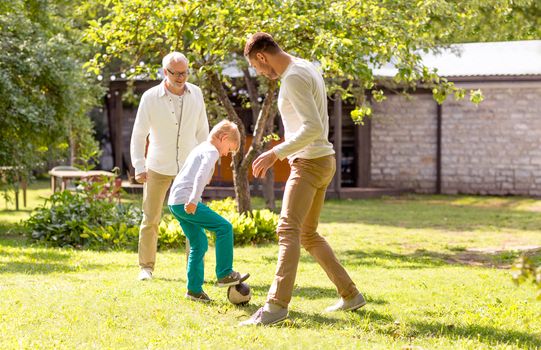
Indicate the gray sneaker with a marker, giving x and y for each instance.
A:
(348, 305)
(145, 274)
(232, 279)
(265, 318)
(201, 297)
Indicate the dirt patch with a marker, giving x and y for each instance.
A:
(494, 257)
(505, 248)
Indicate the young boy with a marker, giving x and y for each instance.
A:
(194, 216)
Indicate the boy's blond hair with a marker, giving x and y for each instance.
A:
(228, 128)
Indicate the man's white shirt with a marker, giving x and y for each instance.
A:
(302, 102)
(172, 136)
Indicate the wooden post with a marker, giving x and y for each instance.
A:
(337, 117)
(363, 150)
(24, 186)
(118, 121)
(438, 148)
(53, 183)
(16, 196)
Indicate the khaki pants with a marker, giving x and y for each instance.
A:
(154, 191)
(303, 199)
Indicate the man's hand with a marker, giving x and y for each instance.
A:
(263, 163)
(190, 208)
(141, 177)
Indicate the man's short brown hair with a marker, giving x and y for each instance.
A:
(260, 42)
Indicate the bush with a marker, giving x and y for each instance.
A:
(170, 233)
(528, 268)
(259, 227)
(85, 220)
(79, 219)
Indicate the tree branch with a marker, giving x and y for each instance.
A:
(261, 124)
(232, 115)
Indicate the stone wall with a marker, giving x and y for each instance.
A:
(493, 148)
(404, 143)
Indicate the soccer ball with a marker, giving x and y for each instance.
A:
(239, 294)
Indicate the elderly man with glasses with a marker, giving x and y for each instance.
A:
(174, 118)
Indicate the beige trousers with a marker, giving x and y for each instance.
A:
(154, 192)
(303, 199)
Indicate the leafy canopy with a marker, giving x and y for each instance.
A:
(44, 92)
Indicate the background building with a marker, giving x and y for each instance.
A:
(411, 142)
(492, 148)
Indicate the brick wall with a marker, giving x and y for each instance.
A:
(494, 148)
(404, 143)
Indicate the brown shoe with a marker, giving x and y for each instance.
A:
(201, 297)
(232, 279)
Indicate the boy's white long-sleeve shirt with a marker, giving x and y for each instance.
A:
(302, 102)
(170, 141)
(196, 173)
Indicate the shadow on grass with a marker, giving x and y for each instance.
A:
(311, 293)
(427, 213)
(485, 334)
(13, 211)
(300, 320)
(34, 268)
(167, 279)
(13, 240)
(9, 229)
(385, 325)
(39, 261)
(421, 259)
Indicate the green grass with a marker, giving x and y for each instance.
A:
(411, 256)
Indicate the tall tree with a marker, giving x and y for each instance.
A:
(44, 92)
(495, 20)
(348, 38)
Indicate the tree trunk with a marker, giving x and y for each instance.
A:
(268, 190)
(242, 161)
(242, 186)
(268, 182)
(240, 173)
(253, 95)
(72, 150)
(261, 130)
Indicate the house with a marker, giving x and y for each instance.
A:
(413, 143)
(458, 147)
(350, 145)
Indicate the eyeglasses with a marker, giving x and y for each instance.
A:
(178, 74)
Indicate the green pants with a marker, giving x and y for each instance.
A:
(194, 228)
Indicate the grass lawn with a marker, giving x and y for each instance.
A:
(434, 270)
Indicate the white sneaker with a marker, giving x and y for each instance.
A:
(145, 274)
(348, 305)
(265, 317)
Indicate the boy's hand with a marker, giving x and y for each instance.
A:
(141, 177)
(190, 208)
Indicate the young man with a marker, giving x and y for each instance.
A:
(302, 102)
(173, 115)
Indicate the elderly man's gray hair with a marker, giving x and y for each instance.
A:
(173, 57)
